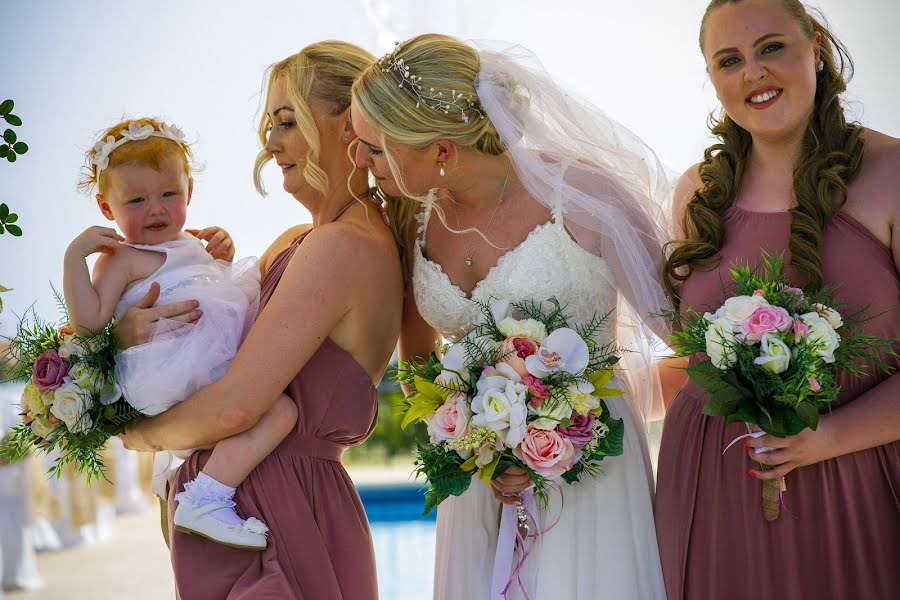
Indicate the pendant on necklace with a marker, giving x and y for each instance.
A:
(468, 261)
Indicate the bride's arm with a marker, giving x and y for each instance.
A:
(316, 291)
(417, 338)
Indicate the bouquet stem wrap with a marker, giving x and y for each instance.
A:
(771, 498)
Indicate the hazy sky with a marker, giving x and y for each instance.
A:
(75, 68)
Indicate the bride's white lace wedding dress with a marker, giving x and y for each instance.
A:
(604, 543)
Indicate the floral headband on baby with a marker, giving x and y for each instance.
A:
(135, 131)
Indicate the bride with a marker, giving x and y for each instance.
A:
(523, 193)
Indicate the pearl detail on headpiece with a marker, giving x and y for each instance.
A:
(467, 106)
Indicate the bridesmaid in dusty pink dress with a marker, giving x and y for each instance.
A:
(789, 175)
(329, 319)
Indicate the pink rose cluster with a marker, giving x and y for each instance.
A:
(766, 319)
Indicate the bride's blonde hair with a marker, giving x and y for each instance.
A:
(444, 64)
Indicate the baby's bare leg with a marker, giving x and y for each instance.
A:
(234, 458)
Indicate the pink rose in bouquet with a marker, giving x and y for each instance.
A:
(766, 319)
(547, 452)
(450, 420)
(49, 370)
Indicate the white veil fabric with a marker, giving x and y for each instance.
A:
(612, 189)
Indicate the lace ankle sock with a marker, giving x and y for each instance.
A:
(203, 490)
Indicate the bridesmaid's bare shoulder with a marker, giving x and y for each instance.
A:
(874, 197)
(281, 243)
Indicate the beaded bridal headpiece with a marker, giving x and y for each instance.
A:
(456, 102)
(135, 131)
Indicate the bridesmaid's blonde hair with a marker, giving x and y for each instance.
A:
(323, 71)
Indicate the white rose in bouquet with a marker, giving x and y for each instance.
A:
(829, 314)
(774, 354)
(821, 335)
(501, 408)
(720, 340)
(70, 403)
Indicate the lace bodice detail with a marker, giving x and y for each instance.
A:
(548, 263)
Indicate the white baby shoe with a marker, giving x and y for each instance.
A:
(251, 535)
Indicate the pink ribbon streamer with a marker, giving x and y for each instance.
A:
(512, 545)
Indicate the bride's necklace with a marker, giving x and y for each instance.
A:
(471, 252)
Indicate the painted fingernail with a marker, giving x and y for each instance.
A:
(752, 474)
(748, 449)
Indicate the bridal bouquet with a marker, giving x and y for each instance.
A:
(71, 402)
(774, 353)
(523, 390)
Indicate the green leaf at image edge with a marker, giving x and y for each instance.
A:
(11, 156)
(4, 211)
(14, 229)
(4, 148)
(13, 120)
(6, 107)
(20, 147)
(9, 136)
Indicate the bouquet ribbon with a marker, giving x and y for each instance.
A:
(752, 434)
(515, 543)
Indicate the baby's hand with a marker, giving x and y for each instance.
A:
(218, 242)
(96, 239)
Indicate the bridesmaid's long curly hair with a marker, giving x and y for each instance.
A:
(830, 159)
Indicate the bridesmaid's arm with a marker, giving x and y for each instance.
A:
(673, 376)
(871, 420)
(313, 296)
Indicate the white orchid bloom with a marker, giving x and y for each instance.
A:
(563, 350)
(499, 310)
(454, 367)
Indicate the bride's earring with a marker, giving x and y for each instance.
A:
(441, 171)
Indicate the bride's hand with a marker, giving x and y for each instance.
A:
(138, 322)
(510, 484)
